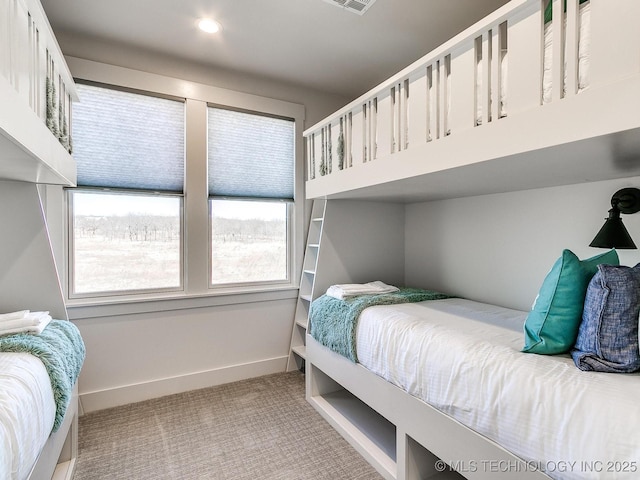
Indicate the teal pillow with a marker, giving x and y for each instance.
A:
(552, 325)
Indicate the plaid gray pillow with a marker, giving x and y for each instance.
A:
(608, 335)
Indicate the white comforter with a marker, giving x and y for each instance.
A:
(541, 408)
(27, 412)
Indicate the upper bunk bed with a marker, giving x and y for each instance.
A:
(36, 91)
(533, 95)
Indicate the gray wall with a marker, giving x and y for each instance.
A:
(498, 248)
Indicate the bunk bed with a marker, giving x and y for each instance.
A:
(537, 94)
(568, 88)
(38, 421)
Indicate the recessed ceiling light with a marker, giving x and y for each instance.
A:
(208, 25)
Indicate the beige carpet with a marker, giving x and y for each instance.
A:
(259, 429)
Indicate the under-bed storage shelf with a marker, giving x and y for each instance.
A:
(36, 93)
(372, 435)
(427, 443)
(450, 125)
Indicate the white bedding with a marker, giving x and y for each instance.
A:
(584, 47)
(541, 408)
(27, 413)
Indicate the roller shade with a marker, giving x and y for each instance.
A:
(128, 140)
(250, 155)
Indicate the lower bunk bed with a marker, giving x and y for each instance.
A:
(441, 389)
(39, 402)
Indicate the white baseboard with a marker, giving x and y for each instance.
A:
(113, 397)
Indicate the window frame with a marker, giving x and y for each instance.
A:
(195, 206)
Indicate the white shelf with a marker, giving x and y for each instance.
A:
(300, 350)
(64, 470)
(313, 245)
(309, 272)
(375, 427)
(369, 433)
(306, 298)
(302, 322)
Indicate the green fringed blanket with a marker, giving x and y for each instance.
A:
(62, 351)
(334, 322)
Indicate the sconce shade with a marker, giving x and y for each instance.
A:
(613, 233)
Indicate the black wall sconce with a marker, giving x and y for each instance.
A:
(613, 233)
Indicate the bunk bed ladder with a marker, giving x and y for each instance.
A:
(306, 293)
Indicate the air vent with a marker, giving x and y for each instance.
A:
(354, 6)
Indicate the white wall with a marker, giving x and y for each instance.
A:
(133, 357)
(498, 248)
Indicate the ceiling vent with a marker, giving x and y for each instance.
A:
(354, 6)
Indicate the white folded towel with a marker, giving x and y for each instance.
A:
(8, 317)
(347, 290)
(28, 321)
(32, 322)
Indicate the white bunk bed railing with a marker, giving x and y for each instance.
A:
(35, 83)
(497, 69)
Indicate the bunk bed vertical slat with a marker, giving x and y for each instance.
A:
(571, 49)
(496, 74)
(525, 59)
(486, 78)
(557, 74)
(417, 111)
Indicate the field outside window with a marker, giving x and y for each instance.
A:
(248, 241)
(124, 242)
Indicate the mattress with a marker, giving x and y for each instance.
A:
(27, 412)
(464, 358)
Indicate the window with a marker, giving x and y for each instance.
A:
(251, 178)
(125, 242)
(126, 215)
(179, 197)
(248, 241)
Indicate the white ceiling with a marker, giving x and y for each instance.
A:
(309, 43)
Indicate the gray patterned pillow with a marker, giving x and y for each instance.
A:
(608, 335)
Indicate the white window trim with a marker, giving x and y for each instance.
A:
(196, 205)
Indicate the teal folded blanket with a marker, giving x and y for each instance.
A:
(334, 322)
(61, 350)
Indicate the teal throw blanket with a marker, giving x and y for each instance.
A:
(61, 349)
(334, 322)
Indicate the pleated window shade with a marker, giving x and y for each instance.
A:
(128, 140)
(250, 155)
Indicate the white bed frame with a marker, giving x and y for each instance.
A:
(30, 155)
(57, 460)
(395, 141)
(401, 436)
